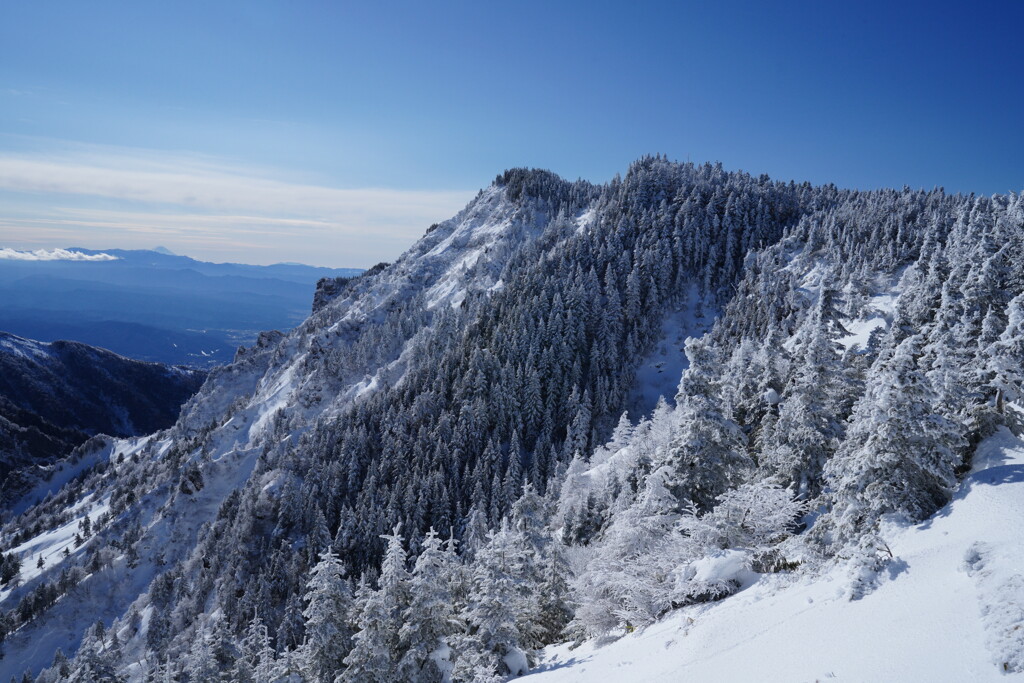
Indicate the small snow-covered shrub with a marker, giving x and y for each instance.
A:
(867, 558)
(652, 559)
(753, 516)
(710, 578)
(771, 561)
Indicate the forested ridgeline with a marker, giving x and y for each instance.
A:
(433, 476)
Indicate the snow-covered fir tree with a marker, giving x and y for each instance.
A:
(375, 653)
(328, 606)
(430, 621)
(708, 457)
(900, 455)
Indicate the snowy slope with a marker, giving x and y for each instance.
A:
(296, 380)
(950, 607)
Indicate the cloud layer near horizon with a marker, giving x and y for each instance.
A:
(52, 255)
(107, 198)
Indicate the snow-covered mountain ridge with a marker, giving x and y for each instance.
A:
(848, 342)
(54, 396)
(240, 410)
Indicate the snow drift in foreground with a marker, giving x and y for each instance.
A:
(949, 607)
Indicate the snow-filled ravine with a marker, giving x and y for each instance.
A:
(658, 373)
(950, 607)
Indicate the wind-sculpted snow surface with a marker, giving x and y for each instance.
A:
(434, 477)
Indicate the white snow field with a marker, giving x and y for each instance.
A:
(950, 607)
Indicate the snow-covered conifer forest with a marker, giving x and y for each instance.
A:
(688, 425)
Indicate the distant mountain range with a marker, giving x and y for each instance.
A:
(153, 305)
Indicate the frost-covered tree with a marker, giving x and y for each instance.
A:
(546, 612)
(624, 582)
(497, 595)
(900, 455)
(328, 634)
(708, 456)
(375, 654)
(94, 661)
(476, 663)
(474, 534)
(809, 427)
(430, 620)
(1005, 357)
(752, 517)
(291, 631)
(256, 656)
(201, 663)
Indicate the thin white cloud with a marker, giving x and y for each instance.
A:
(217, 191)
(52, 255)
(202, 201)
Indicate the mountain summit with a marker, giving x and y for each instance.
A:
(435, 476)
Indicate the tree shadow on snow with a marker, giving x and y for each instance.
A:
(895, 567)
(1001, 474)
(555, 665)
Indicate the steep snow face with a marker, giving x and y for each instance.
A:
(267, 398)
(69, 468)
(469, 251)
(949, 607)
(462, 255)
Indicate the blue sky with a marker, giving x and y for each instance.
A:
(334, 133)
